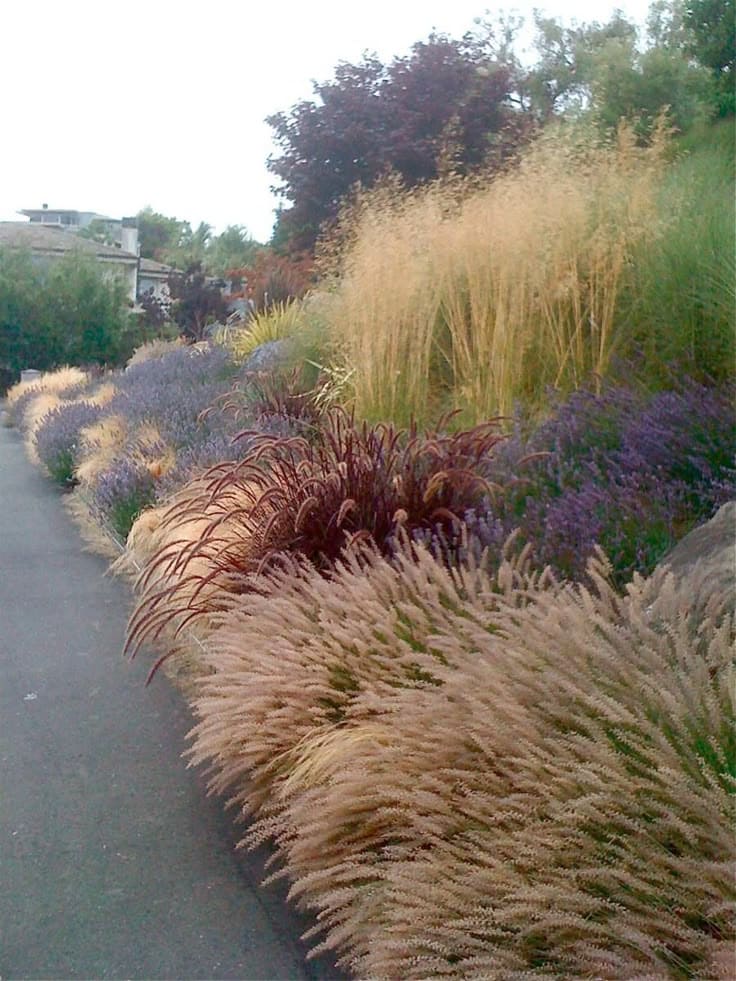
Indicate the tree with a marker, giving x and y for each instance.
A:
(602, 71)
(272, 278)
(63, 312)
(197, 303)
(98, 230)
(159, 235)
(446, 104)
(637, 86)
(561, 79)
(713, 42)
(231, 249)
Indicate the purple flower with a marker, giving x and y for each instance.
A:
(628, 471)
(57, 438)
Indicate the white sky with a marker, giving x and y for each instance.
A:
(110, 107)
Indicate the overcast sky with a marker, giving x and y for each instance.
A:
(111, 107)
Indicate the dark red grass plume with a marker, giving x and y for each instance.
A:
(296, 498)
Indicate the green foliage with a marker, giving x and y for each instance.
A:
(629, 84)
(713, 27)
(172, 241)
(232, 249)
(192, 246)
(61, 470)
(561, 78)
(99, 230)
(681, 296)
(158, 235)
(61, 312)
(607, 72)
(603, 71)
(124, 511)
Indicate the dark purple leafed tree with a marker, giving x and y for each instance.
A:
(446, 101)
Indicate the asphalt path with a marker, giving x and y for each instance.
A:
(113, 861)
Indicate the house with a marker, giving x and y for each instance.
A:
(67, 219)
(52, 233)
(153, 279)
(47, 242)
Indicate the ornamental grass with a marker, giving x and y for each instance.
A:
(59, 381)
(312, 497)
(477, 295)
(468, 775)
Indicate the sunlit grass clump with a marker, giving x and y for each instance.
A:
(475, 296)
(497, 776)
(278, 323)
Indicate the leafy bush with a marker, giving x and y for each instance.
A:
(66, 312)
(467, 775)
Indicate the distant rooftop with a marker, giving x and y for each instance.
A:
(68, 217)
(53, 240)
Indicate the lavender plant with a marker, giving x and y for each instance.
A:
(629, 471)
(57, 438)
(121, 493)
(71, 392)
(181, 397)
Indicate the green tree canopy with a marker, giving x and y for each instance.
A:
(604, 71)
(159, 235)
(64, 311)
(713, 28)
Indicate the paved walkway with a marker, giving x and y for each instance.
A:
(113, 863)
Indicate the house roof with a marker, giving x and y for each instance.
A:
(40, 212)
(149, 267)
(50, 240)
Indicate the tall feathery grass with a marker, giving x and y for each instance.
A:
(498, 776)
(474, 296)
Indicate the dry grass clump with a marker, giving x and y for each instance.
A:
(94, 535)
(102, 395)
(181, 583)
(51, 381)
(475, 776)
(103, 442)
(100, 444)
(476, 296)
(27, 402)
(150, 451)
(157, 348)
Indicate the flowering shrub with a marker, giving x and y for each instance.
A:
(168, 433)
(121, 493)
(173, 390)
(629, 472)
(57, 438)
(64, 382)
